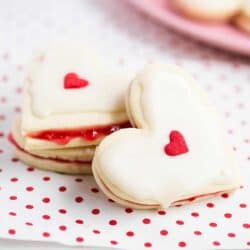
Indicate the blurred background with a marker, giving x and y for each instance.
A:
(116, 27)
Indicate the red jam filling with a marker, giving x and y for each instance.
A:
(12, 141)
(62, 137)
(199, 196)
(190, 199)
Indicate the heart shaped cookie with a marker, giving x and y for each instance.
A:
(177, 152)
(66, 102)
(72, 99)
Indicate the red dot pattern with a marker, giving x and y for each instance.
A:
(180, 222)
(231, 235)
(113, 242)
(195, 214)
(72, 209)
(112, 222)
(129, 210)
(78, 179)
(62, 228)
(62, 211)
(213, 224)
(78, 199)
(162, 212)
(164, 232)
(130, 234)
(216, 243)
(46, 200)
(62, 189)
(95, 211)
(79, 221)
(14, 179)
(243, 205)
(147, 244)
(12, 231)
(94, 190)
(29, 206)
(29, 189)
(182, 244)
(228, 215)
(197, 232)
(146, 221)
(246, 225)
(210, 205)
(79, 239)
(46, 234)
(46, 217)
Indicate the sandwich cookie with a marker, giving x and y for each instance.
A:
(68, 160)
(176, 154)
(71, 99)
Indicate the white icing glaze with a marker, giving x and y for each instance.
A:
(48, 96)
(162, 99)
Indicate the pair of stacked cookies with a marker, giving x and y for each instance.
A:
(175, 151)
(237, 11)
(70, 103)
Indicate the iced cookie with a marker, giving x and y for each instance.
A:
(71, 99)
(67, 160)
(243, 20)
(177, 152)
(208, 10)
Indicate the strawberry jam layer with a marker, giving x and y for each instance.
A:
(193, 198)
(13, 142)
(190, 199)
(62, 137)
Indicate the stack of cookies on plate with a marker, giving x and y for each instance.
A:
(174, 153)
(70, 103)
(235, 11)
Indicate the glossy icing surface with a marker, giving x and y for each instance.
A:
(103, 90)
(68, 87)
(132, 162)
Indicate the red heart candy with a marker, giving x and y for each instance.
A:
(177, 144)
(72, 81)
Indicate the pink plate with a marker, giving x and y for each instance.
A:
(224, 36)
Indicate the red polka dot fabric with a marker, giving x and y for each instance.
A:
(45, 206)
